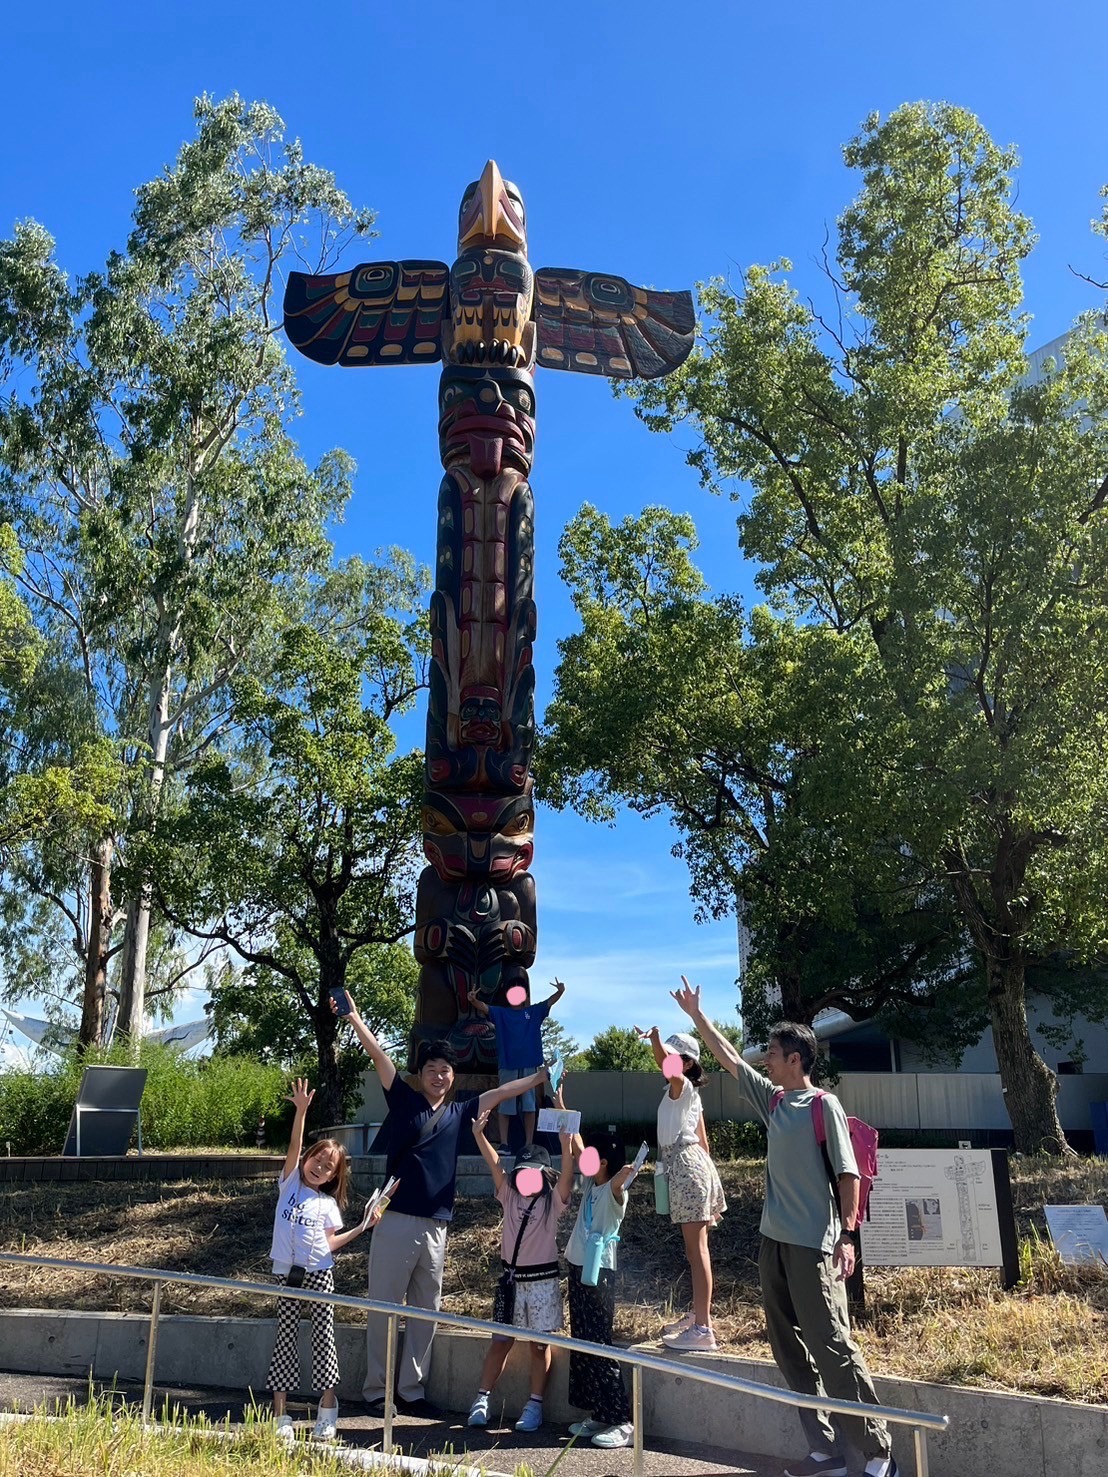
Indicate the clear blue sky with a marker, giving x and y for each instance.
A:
(664, 143)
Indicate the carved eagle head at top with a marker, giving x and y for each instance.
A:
(492, 213)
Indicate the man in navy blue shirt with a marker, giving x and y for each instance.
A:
(518, 1054)
(408, 1251)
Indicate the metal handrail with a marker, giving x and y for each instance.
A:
(920, 1421)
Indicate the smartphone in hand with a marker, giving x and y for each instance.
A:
(342, 1001)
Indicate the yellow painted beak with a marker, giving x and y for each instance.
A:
(494, 216)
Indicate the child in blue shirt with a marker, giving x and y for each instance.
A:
(519, 1053)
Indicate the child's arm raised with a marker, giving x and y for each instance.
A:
(655, 1038)
(488, 1153)
(559, 991)
(478, 1004)
(386, 1068)
(565, 1178)
(301, 1099)
(618, 1183)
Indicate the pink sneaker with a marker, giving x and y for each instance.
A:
(679, 1327)
(692, 1340)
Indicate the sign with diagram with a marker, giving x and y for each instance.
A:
(941, 1208)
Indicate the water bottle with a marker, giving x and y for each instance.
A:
(594, 1255)
(661, 1190)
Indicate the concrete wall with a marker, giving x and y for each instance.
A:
(989, 1433)
(909, 1101)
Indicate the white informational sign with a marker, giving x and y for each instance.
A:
(1079, 1233)
(555, 1120)
(933, 1208)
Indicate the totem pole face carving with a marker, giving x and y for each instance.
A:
(478, 836)
(491, 293)
(487, 418)
(490, 319)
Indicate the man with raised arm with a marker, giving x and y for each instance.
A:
(406, 1264)
(809, 1236)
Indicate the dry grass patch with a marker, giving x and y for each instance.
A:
(1049, 1337)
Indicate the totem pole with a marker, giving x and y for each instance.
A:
(491, 320)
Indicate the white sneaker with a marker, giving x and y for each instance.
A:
(479, 1411)
(587, 1427)
(530, 1417)
(326, 1423)
(692, 1340)
(284, 1428)
(679, 1327)
(613, 1436)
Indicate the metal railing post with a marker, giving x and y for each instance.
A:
(151, 1352)
(636, 1417)
(921, 1450)
(390, 1382)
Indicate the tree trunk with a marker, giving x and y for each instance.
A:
(99, 945)
(136, 939)
(328, 1087)
(132, 989)
(1030, 1087)
(132, 982)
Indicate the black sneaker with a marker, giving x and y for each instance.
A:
(376, 1408)
(504, 1149)
(818, 1466)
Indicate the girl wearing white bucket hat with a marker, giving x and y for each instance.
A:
(695, 1195)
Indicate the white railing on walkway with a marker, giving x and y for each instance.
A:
(919, 1421)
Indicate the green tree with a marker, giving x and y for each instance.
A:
(164, 516)
(916, 493)
(618, 1049)
(254, 1013)
(730, 1032)
(744, 731)
(555, 1038)
(305, 862)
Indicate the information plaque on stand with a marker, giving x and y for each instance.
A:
(942, 1208)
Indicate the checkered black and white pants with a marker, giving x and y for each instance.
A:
(284, 1367)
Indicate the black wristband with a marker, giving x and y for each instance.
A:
(851, 1236)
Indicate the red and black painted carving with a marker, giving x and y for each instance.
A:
(492, 321)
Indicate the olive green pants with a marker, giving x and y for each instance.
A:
(809, 1332)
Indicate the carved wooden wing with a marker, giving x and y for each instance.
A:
(380, 313)
(602, 325)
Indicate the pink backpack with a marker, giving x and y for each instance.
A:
(863, 1140)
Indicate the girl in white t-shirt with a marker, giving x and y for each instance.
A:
(307, 1230)
(695, 1194)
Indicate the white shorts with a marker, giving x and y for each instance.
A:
(538, 1307)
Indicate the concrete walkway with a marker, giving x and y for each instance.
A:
(502, 1450)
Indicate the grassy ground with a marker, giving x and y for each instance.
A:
(1048, 1337)
(97, 1440)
